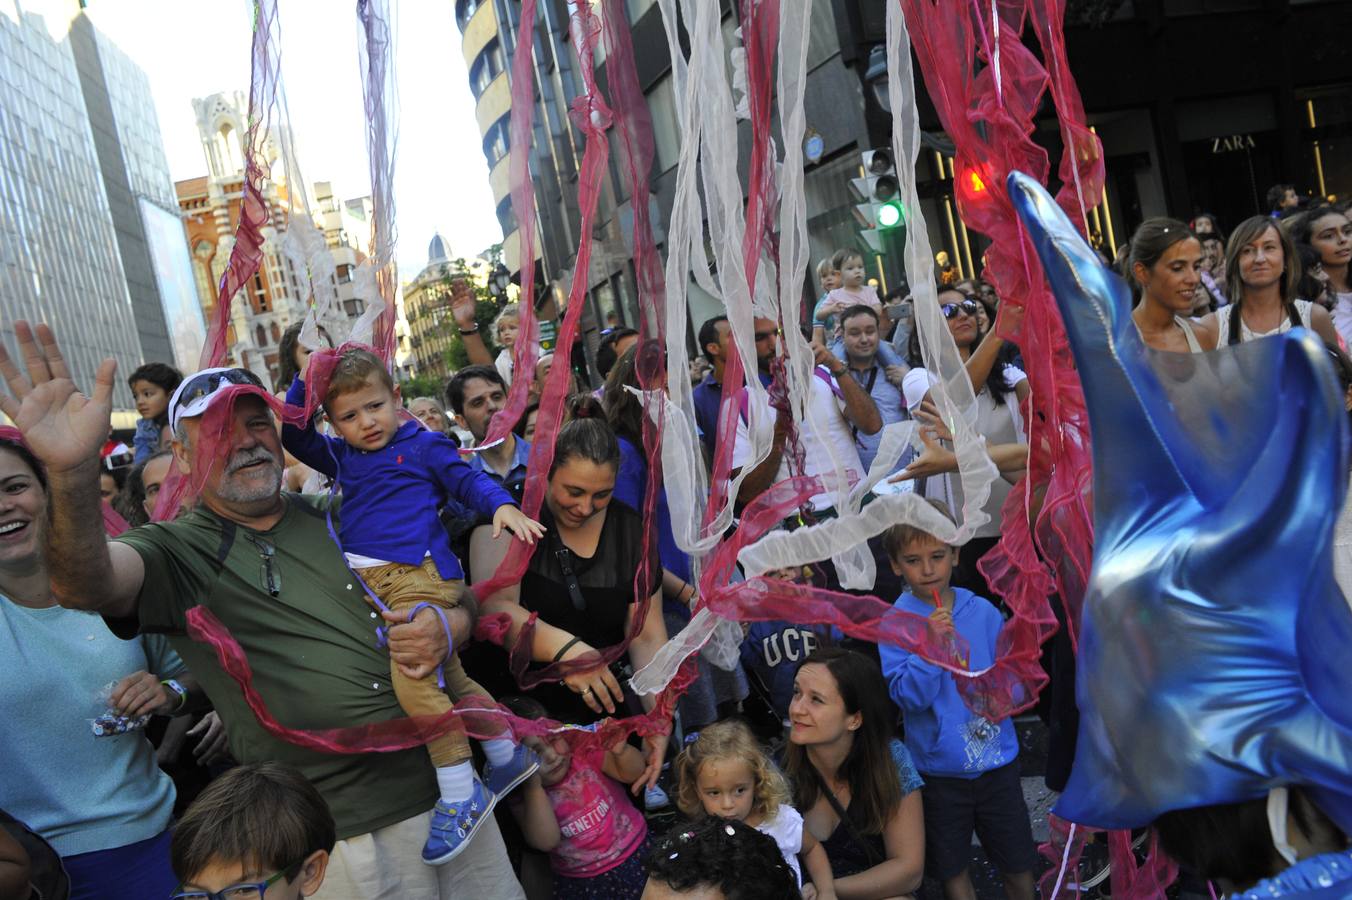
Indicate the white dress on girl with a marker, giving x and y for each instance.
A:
(786, 827)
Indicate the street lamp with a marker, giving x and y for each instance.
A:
(498, 281)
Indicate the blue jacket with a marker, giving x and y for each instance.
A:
(944, 736)
(391, 495)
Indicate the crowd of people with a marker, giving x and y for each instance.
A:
(346, 555)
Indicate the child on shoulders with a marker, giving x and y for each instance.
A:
(970, 765)
(151, 387)
(853, 290)
(395, 475)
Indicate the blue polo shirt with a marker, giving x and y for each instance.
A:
(391, 496)
(891, 407)
(706, 396)
(516, 473)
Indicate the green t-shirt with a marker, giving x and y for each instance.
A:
(312, 650)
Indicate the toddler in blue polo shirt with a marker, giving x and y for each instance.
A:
(395, 475)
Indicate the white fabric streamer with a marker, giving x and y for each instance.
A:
(706, 111)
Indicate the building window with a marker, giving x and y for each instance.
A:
(345, 273)
(260, 295)
(666, 129)
(496, 140)
(487, 66)
(464, 11)
(354, 307)
(506, 216)
(260, 336)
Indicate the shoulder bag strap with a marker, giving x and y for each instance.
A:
(869, 850)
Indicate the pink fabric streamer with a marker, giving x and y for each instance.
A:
(592, 116)
(377, 85)
(247, 254)
(633, 129)
(479, 717)
(991, 126)
(526, 352)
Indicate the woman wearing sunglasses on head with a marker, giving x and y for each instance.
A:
(1000, 389)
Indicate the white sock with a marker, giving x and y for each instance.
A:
(456, 782)
(499, 750)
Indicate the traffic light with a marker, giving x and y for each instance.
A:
(878, 187)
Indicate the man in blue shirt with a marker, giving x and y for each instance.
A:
(714, 337)
(475, 395)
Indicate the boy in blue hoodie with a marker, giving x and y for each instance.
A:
(395, 475)
(970, 765)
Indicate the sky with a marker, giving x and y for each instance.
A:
(194, 48)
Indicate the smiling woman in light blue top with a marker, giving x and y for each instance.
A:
(101, 802)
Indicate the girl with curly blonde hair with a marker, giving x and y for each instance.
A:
(725, 774)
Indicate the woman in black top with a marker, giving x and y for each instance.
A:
(581, 578)
(854, 783)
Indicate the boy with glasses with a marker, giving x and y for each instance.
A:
(259, 832)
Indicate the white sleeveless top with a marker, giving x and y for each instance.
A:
(1223, 314)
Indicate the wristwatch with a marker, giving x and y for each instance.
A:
(173, 685)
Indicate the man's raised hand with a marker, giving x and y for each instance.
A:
(63, 427)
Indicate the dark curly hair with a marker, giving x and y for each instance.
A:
(724, 854)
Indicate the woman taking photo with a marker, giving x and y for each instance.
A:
(581, 579)
(854, 783)
(1000, 388)
(100, 801)
(1261, 275)
(1166, 265)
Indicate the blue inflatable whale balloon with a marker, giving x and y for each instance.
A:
(1215, 655)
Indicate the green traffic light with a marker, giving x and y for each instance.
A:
(889, 215)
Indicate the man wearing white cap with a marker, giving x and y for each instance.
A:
(263, 563)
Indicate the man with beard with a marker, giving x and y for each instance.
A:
(263, 563)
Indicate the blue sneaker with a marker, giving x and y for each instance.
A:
(655, 798)
(453, 826)
(501, 780)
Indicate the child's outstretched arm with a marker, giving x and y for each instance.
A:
(533, 812)
(818, 866)
(624, 763)
(522, 526)
(306, 444)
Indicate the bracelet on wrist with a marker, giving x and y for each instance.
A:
(565, 648)
(172, 685)
(474, 330)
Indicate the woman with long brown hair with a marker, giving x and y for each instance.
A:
(1261, 273)
(854, 783)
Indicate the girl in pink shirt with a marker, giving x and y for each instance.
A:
(602, 834)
